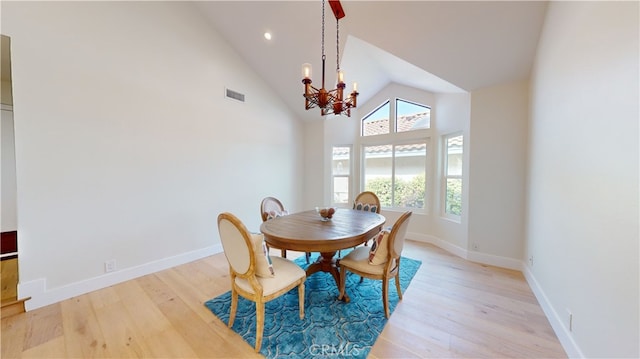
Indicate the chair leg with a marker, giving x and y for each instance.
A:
(385, 296)
(301, 299)
(343, 281)
(398, 286)
(283, 253)
(234, 306)
(397, 276)
(259, 323)
(307, 256)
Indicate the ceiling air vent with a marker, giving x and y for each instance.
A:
(235, 95)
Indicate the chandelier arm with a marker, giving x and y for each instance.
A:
(314, 89)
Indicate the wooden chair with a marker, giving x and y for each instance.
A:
(365, 198)
(273, 205)
(239, 248)
(369, 198)
(267, 206)
(358, 261)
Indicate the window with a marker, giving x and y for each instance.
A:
(377, 122)
(396, 174)
(411, 116)
(341, 174)
(378, 172)
(453, 175)
(395, 138)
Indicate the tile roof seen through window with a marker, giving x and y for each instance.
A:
(381, 126)
(408, 122)
(405, 123)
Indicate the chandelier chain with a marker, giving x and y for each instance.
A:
(337, 45)
(323, 56)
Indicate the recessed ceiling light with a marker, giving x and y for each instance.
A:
(267, 35)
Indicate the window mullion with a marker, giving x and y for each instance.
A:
(393, 176)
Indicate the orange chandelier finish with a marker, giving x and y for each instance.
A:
(329, 101)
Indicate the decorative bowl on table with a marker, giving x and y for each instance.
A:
(325, 212)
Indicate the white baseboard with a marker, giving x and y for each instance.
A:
(479, 257)
(563, 334)
(449, 247)
(41, 296)
(498, 261)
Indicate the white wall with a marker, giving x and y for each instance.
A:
(498, 169)
(314, 164)
(582, 223)
(126, 148)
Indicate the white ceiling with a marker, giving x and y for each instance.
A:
(439, 46)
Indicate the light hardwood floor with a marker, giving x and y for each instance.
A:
(452, 308)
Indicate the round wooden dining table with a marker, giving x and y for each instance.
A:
(307, 232)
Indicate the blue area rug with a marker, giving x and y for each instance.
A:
(330, 328)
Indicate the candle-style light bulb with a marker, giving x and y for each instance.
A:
(340, 76)
(306, 71)
(355, 87)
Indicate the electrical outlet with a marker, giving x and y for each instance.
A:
(110, 266)
(475, 247)
(531, 261)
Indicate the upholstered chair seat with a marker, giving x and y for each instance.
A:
(358, 260)
(287, 274)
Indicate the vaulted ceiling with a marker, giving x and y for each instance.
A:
(439, 46)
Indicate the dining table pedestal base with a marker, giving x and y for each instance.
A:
(327, 263)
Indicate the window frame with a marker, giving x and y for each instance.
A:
(395, 116)
(407, 141)
(394, 138)
(446, 176)
(349, 176)
(391, 122)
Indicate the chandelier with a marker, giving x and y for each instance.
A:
(331, 101)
